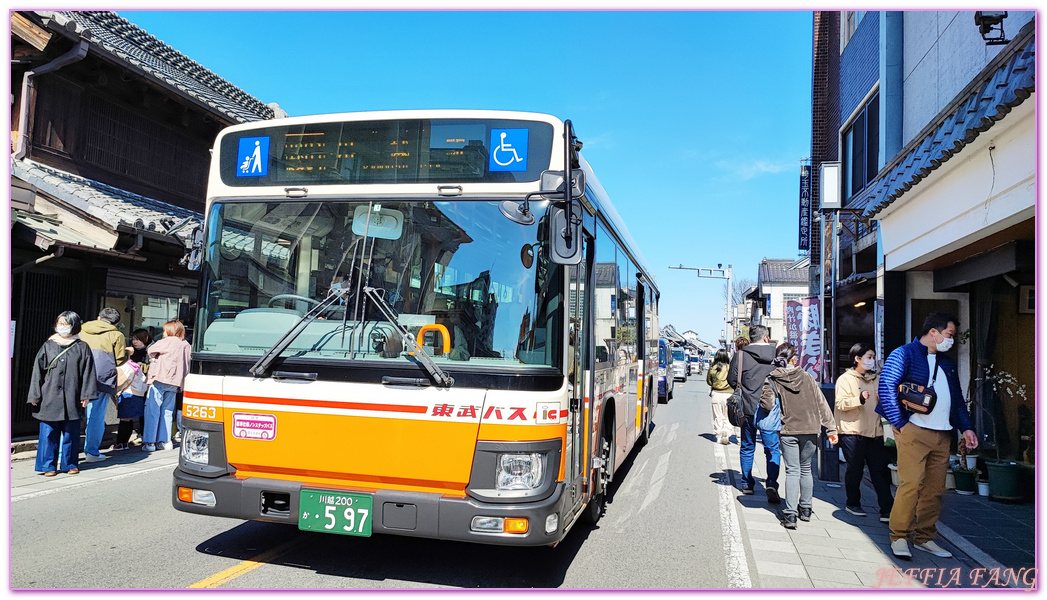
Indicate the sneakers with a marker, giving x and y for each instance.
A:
(118, 447)
(50, 473)
(900, 548)
(805, 513)
(856, 511)
(747, 490)
(773, 497)
(933, 548)
(91, 458)
(73, 471)
(788, 521)
(148, 447)
(165, 446)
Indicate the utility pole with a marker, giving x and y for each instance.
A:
(718, 273)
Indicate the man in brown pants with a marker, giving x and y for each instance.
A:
(923, 439)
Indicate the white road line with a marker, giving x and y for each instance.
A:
(658, 480)
(733, 548)
(672, 433)
(89, 482)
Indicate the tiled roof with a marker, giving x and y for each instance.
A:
(773, 270)
(127, 42)
(976, 111)
(50, 230)
(106, 203)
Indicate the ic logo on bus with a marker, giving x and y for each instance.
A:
(247, 426)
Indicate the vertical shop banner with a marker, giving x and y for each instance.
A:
(802, 324)
(805, 208)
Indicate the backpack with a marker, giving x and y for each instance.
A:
(735, 414)
(772, 420)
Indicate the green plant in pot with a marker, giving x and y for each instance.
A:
(966, 480)
(1003, 475)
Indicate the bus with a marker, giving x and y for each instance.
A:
(417, 323)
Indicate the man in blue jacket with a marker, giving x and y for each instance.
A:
(923, 440)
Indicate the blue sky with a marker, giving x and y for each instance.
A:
(695, 122)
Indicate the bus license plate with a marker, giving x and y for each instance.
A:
(335, 512)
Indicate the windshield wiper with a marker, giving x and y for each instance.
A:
(337, 292)
(410, 344)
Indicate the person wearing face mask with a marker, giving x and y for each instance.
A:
(923, 440)
(861, 432)
(804, 412)
(62, 384)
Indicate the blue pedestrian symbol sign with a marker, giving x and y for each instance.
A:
(252, 157)
(508, 150)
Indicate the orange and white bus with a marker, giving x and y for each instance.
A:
(420, 323)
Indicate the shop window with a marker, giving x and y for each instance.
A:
(861, 148)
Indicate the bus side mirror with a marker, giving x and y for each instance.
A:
(565, 237)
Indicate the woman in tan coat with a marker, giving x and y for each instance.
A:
(861, 432)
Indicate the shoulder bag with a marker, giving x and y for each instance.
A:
(918, 399)
(735, 414)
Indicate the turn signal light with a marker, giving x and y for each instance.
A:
(185, 494)
(515, 526)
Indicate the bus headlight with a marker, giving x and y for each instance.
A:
(519, 471)
(194, 446)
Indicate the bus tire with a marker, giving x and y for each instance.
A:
(602, 478)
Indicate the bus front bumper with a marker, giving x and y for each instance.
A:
(417, 514)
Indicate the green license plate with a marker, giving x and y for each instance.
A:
(335, 512)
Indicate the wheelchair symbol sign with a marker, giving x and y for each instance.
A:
(508, 150)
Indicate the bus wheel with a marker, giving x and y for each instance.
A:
(594, 510)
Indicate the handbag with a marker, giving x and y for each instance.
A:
(125, 375)
(919, 399)
(772, 420)
(735, 414)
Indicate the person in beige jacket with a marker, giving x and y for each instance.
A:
(861, 432)
(170, 363)
(720, 391)
(804, 412)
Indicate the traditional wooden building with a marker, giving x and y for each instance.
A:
(110, 136)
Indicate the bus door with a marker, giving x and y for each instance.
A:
(580, 380)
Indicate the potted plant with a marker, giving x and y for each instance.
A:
(965, 480)
(1003, 474)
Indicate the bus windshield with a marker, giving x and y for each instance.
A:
(458, 267)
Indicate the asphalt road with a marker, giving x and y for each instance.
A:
(662, 529)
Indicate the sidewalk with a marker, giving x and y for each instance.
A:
(26, 483)
(838, 550)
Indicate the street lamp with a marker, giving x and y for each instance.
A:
(718, 273)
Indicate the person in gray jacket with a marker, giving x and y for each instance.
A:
(804, 412)
(63, 382)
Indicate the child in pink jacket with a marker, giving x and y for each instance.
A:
(170, 363)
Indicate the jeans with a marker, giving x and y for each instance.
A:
(798, 451)
(860, 451)
(96, 422)
(770, 450)
(159, 410)
(48, 449)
